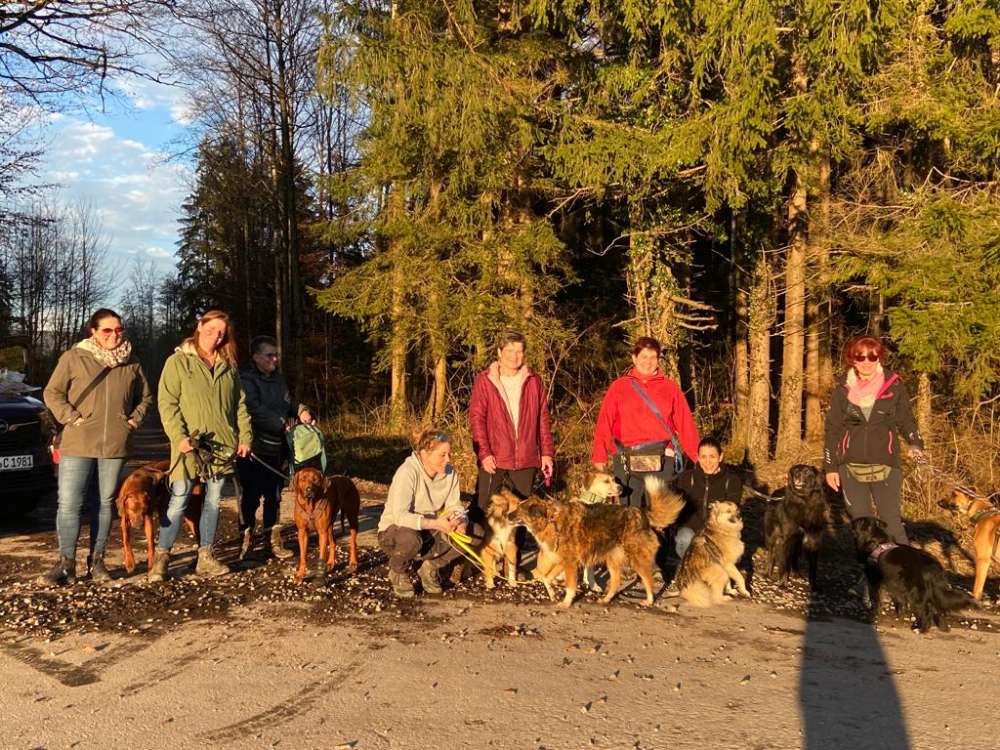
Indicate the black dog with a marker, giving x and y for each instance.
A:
(914, 579)
(795, 523)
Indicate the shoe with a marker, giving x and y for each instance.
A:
(672, 590)
(62, 572)
(247, 544)
(429, 579)
(274, 545)
(402, 586)
(158, 573)
(98, 572)
(208, 565)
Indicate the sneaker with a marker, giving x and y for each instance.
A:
(672, 590)
(273, 544)
(98, 572)
(64, 571)
(402, 586)
(208, 565)
(429, 579)
(158, 573)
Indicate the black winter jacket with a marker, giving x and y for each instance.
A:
(852, 439)
(701, 489)
(269, 404)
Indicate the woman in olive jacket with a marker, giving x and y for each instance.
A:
(99, 393)
(869, 418)
(200, 396)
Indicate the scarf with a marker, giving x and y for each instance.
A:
(864, 392)
(108, 357)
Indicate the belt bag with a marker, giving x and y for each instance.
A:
(645, 457)
(869, 472)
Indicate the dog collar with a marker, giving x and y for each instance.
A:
(986, 513)
(881, 550)
(591, 498)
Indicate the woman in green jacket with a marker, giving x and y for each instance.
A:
(200, 396)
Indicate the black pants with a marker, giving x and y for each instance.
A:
(520, 481)
(880, 499)
(404, 545)
(258, 482)
(634, 482)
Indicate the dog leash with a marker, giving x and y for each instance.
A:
(761, 495)
(924, 463)
(267, 466)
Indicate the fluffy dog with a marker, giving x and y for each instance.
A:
(143, 498)
(985, 519)
(598, 487)
(914, 579)
(575, 534)
(499, 544)
(318, 499)
(795, 523)
(709, 565)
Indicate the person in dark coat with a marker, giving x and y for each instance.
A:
(707, 482)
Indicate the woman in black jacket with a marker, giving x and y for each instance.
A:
(869, 418)
(708, 481)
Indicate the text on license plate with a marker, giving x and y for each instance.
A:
(15, 463)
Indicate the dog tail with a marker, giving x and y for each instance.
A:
(664, 504)
(697, 594)
(947, 598)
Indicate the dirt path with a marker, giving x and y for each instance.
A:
(254, 660)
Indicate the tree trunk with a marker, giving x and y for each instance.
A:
(397, 333)
(739, 438)
(923, 408)
(760, 318)
(789, 441)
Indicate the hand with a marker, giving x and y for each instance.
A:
(462, 528)
(185, 445)
(833, 479)
(306, 417)
(78, 421)
(243, 450)
(132, 424)
(489, 465)
(547, 466)
(918, 455)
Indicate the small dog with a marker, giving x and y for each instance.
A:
(795, 523)
(709, 565)
(573, 534)
(500, 543)
(143, 498)
(985, 519)
(914, 579)
(318, 499)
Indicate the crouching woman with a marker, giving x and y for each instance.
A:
(422, 508)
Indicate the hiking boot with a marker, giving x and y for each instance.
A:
(99, 573)
(429, 579)
(672, 590)
(208, 565)
(64, 571)
(402, 586)
(273, 544)
(158, 573)
(247, 544)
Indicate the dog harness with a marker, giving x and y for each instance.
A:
(876, 553)
(983, 514)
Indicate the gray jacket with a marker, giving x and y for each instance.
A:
(413, 495)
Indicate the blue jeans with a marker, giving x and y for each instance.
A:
(75, 474)
(682, 540)
(180, 491)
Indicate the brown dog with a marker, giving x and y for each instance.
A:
(318, 499)
(500, 543)
(143, 497)
(985, 519)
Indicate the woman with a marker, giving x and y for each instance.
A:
(99, 392)
(869, 413)
(200, 396)
(643, 425)
(422, 508)
(707, 482)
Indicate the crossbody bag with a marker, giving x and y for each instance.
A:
(650, 456)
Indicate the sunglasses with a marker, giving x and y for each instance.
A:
(108, 331)
(871, 357)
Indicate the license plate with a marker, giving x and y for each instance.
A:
(16, 463)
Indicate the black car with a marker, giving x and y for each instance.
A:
(26, 471)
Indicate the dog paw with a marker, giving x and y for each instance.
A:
(564, 604)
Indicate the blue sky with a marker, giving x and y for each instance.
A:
(123, 161)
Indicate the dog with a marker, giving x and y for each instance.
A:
(571, 534)
(598, 487)
(985, 519)
(914, 580)
(709, 564)
(796, 523)
(318, 499)
(499, 543)
(143, 498)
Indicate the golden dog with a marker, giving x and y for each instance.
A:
(985, 519)
(710, 562)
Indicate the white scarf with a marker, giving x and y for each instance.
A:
(108, 357)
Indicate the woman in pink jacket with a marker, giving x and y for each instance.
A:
(511, 432)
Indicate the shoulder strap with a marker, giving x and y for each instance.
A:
(90, 388)
(649, 402)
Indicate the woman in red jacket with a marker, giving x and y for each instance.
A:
(644, 426)
(511, 432)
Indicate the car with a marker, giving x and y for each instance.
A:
(26, 469)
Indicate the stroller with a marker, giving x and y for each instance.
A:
(306, 448)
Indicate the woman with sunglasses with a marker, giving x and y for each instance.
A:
(869, 413)
(99, 392)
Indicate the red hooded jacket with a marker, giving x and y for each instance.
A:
(493, 429)
(627, 418)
